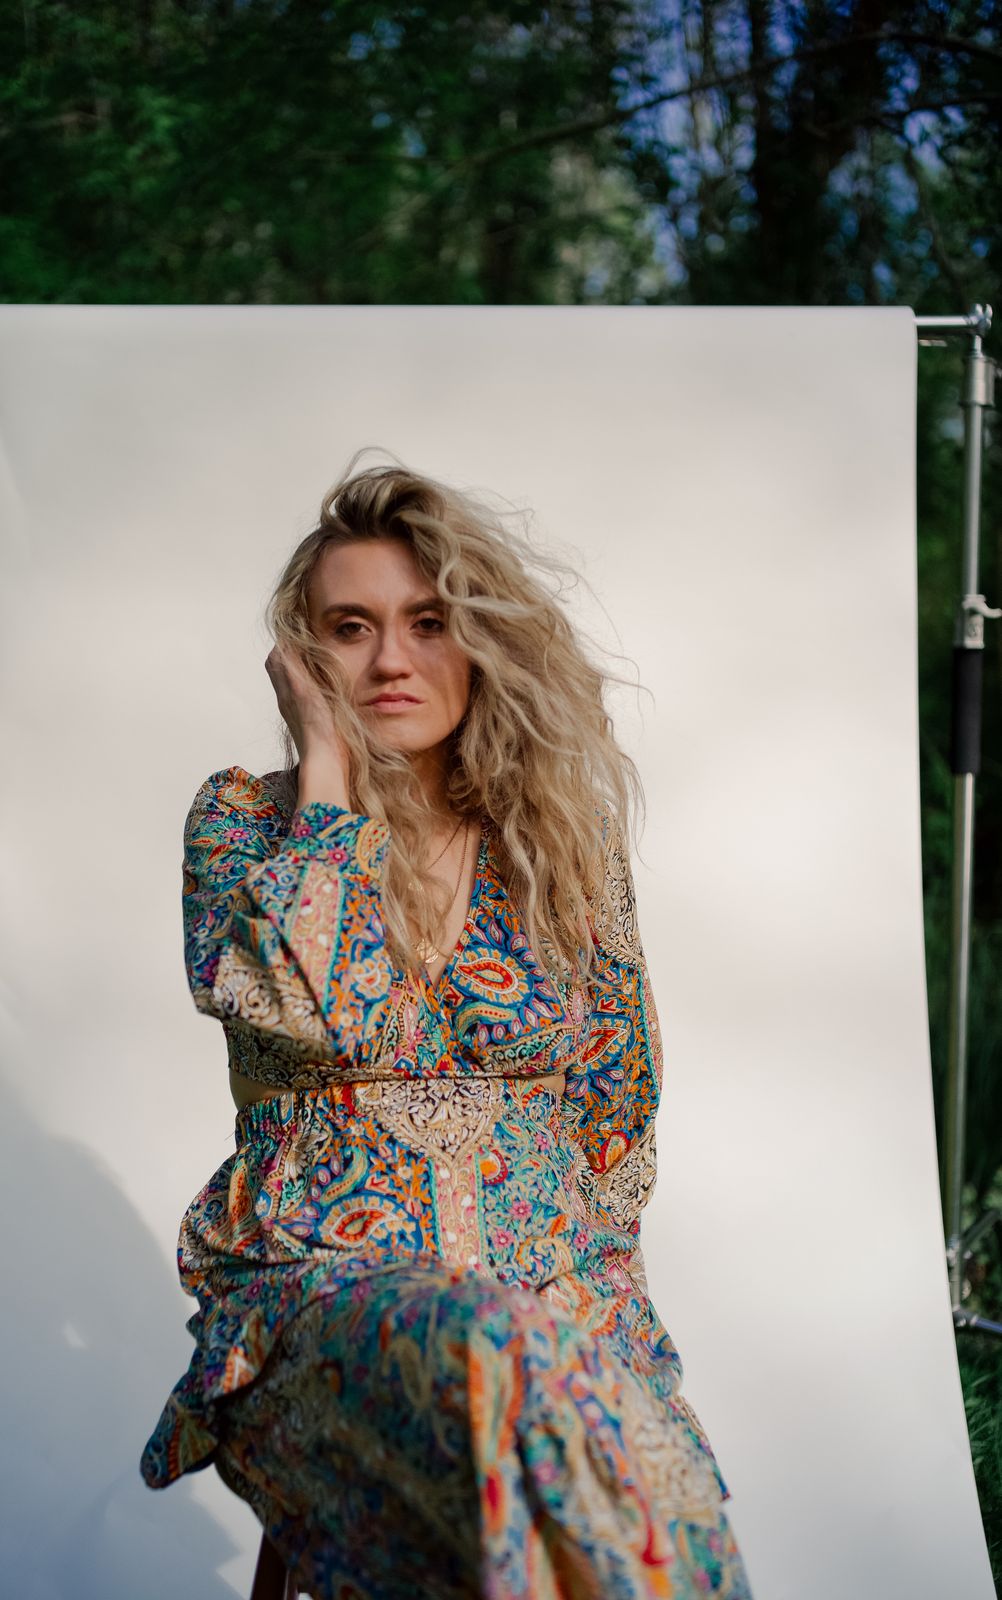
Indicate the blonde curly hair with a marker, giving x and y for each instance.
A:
(535, 750)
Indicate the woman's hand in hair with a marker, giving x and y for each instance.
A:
(307, 714)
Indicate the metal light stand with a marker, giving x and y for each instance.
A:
(965, 763)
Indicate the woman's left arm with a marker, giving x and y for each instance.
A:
(613, 1088)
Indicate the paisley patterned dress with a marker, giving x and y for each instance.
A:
(425, 1353)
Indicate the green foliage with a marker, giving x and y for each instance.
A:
(980, 1367)
(307, 153)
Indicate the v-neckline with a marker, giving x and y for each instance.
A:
(435, 988)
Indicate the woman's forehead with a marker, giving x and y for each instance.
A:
(372, 572)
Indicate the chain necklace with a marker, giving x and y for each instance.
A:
(425, 949)
(447, 843)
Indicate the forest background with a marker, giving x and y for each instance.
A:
(617, 152)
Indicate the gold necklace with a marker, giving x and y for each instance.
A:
(447, 843)
(425, 949)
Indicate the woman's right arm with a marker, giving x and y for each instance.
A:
(282, 927)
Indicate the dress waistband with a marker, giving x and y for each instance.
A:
(343, 1103)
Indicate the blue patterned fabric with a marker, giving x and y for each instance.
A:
(424, 1350)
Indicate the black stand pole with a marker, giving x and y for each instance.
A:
(965, 763)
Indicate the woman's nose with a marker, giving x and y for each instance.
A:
(391, 652)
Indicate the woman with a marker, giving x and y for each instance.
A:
(425, 1353)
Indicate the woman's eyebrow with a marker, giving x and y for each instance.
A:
(433, 602)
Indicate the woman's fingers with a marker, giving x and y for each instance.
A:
(301, 701)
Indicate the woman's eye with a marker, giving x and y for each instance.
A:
(437, 625)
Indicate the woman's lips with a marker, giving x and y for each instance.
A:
(394, 705)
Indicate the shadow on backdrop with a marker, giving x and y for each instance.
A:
(90, 1347)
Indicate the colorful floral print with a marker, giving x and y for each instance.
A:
(424, 1351)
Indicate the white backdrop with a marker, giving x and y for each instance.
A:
(738, 485)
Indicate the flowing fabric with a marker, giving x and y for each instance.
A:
(424, 1352)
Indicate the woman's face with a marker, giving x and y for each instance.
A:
(371, 606)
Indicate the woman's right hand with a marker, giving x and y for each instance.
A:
(302, 704)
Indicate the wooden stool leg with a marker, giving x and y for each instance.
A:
(271, 1581)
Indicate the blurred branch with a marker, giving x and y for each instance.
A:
(582, 126)
(953, 273)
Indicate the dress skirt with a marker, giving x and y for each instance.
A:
(430, 1366)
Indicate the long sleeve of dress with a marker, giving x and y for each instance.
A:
(282, 923)
(611, 1099)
